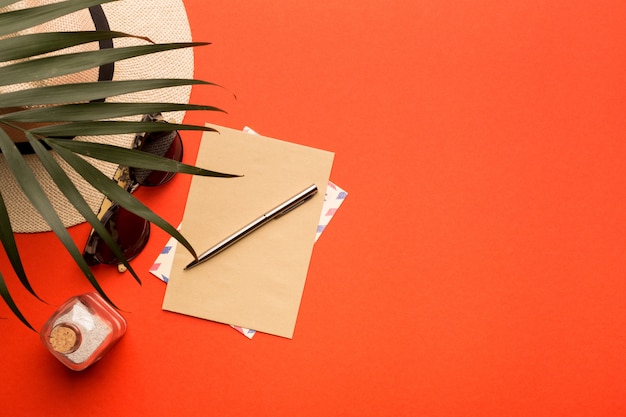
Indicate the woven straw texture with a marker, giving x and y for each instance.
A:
(161, 21)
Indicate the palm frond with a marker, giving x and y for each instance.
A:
(15, 21)
(42, 43)
(4, 3)
(83, 112)
(69, 110)
(6, 296)
(64, 183)
(10, 247)
(80, 92)
(117, 194)
(132, 157)
(101, 128)
(59, 65)
(32, 189)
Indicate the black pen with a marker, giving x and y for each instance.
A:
(274, 213)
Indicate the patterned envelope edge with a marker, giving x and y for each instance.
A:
(162, 267)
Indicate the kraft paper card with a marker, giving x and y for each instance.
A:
(162, 266)
(258, 282)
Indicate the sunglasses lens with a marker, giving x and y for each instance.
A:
(165, 144)
(131, 233)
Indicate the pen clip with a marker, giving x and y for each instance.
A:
(288, 209)
(311, 191)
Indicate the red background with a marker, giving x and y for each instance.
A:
(477, 265)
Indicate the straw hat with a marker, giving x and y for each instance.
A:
(159, 20)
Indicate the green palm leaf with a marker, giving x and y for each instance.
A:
(8, 241)
(58, 65)
(10, 247)
(115, 193)
(4, 3)
(6, 296)
(17, 20)
(69, 110)
(132, 158)
(41, 43)
(98, 128)
(93, 111)
(32, 189)
(73, 93)
(73, 195)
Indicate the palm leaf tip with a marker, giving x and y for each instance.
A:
(70, 110)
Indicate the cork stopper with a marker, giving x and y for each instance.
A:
(64, 338)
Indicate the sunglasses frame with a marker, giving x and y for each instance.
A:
(90, 252)
(108, 208)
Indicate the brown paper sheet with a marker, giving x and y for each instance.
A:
(258, 282)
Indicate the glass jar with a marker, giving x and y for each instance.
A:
(82, 330)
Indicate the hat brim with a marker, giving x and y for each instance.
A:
(167, 24)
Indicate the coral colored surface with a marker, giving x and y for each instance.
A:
(477, 267)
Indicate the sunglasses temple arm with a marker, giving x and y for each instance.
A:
(90, 249)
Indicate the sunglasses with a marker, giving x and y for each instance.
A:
(129, 230)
